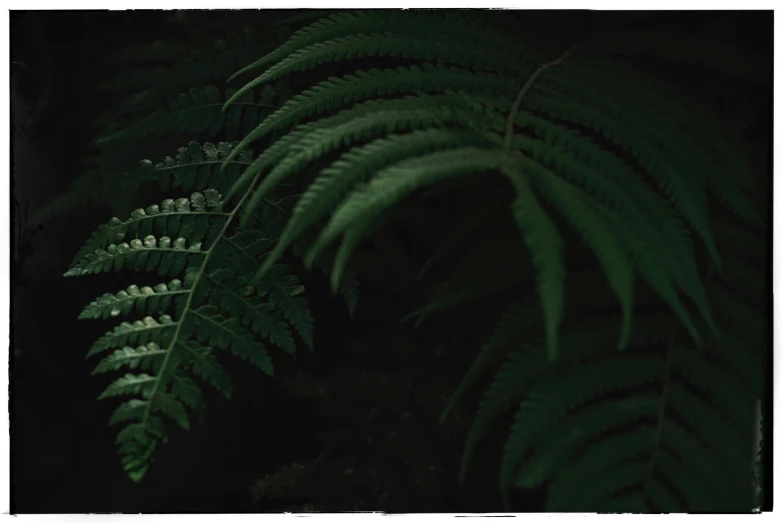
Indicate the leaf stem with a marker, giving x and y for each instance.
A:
(525, 88)
(189, 301)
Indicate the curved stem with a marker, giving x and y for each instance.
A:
(525, 88)
(189, 301)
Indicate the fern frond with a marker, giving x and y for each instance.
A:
(683, 191)
(594, 462)
(358, 165)
(236, 297)
(203, 364)
(430, 48)
(270, 156)
(192, 218)
(206, 324)
(342, 25)
(363, 85)
(611, 181)
(212, 285)
(543, 240)
(632, 169)
(573, 205)
(139, 332)
(169, 256)
(137, 441)
(714, 143)
(185, 390)
(374, 119)
(285, 292)
(548, 403)
(197, 167)
(349, 288)
(666, 122)
(144, 300)
(658, 281)
(552, 453)
(583, 342)
(509, 384)
(129, 385)
(597, 452)
(395, 182)
(142, 357)
(705, 421)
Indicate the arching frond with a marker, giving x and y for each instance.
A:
(215, 309)
(337, 92)
(393, 183)
(341, 25)
(631, 219)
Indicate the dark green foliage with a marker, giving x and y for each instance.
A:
(197, 167)
(589, 144)
(214, 309)
(197, 219)
(197, 111)
(162, 89)
(622, 253)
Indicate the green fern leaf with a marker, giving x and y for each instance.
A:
(166, 347)
(197, 167)
(170, 256)
(139, 332)
(636, 431)
(233, 295)
(185, 390)
(129, 384)
(205, 366)
(551, 453)
(613, 183)
(172, 408)
(144, 300)
(543, 241)
(336, 92)
(547, 404)
(341, 25)
(192, 218)
(684, 193)
(429, 48)
(371, 120)
(226, 333)
(141, 357)
(285, 291)
(577, 209)
(395, 182)
(509, 384)
(358, 165)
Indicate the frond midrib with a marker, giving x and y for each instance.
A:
(186, 309)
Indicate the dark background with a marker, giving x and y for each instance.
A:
(62, 452)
